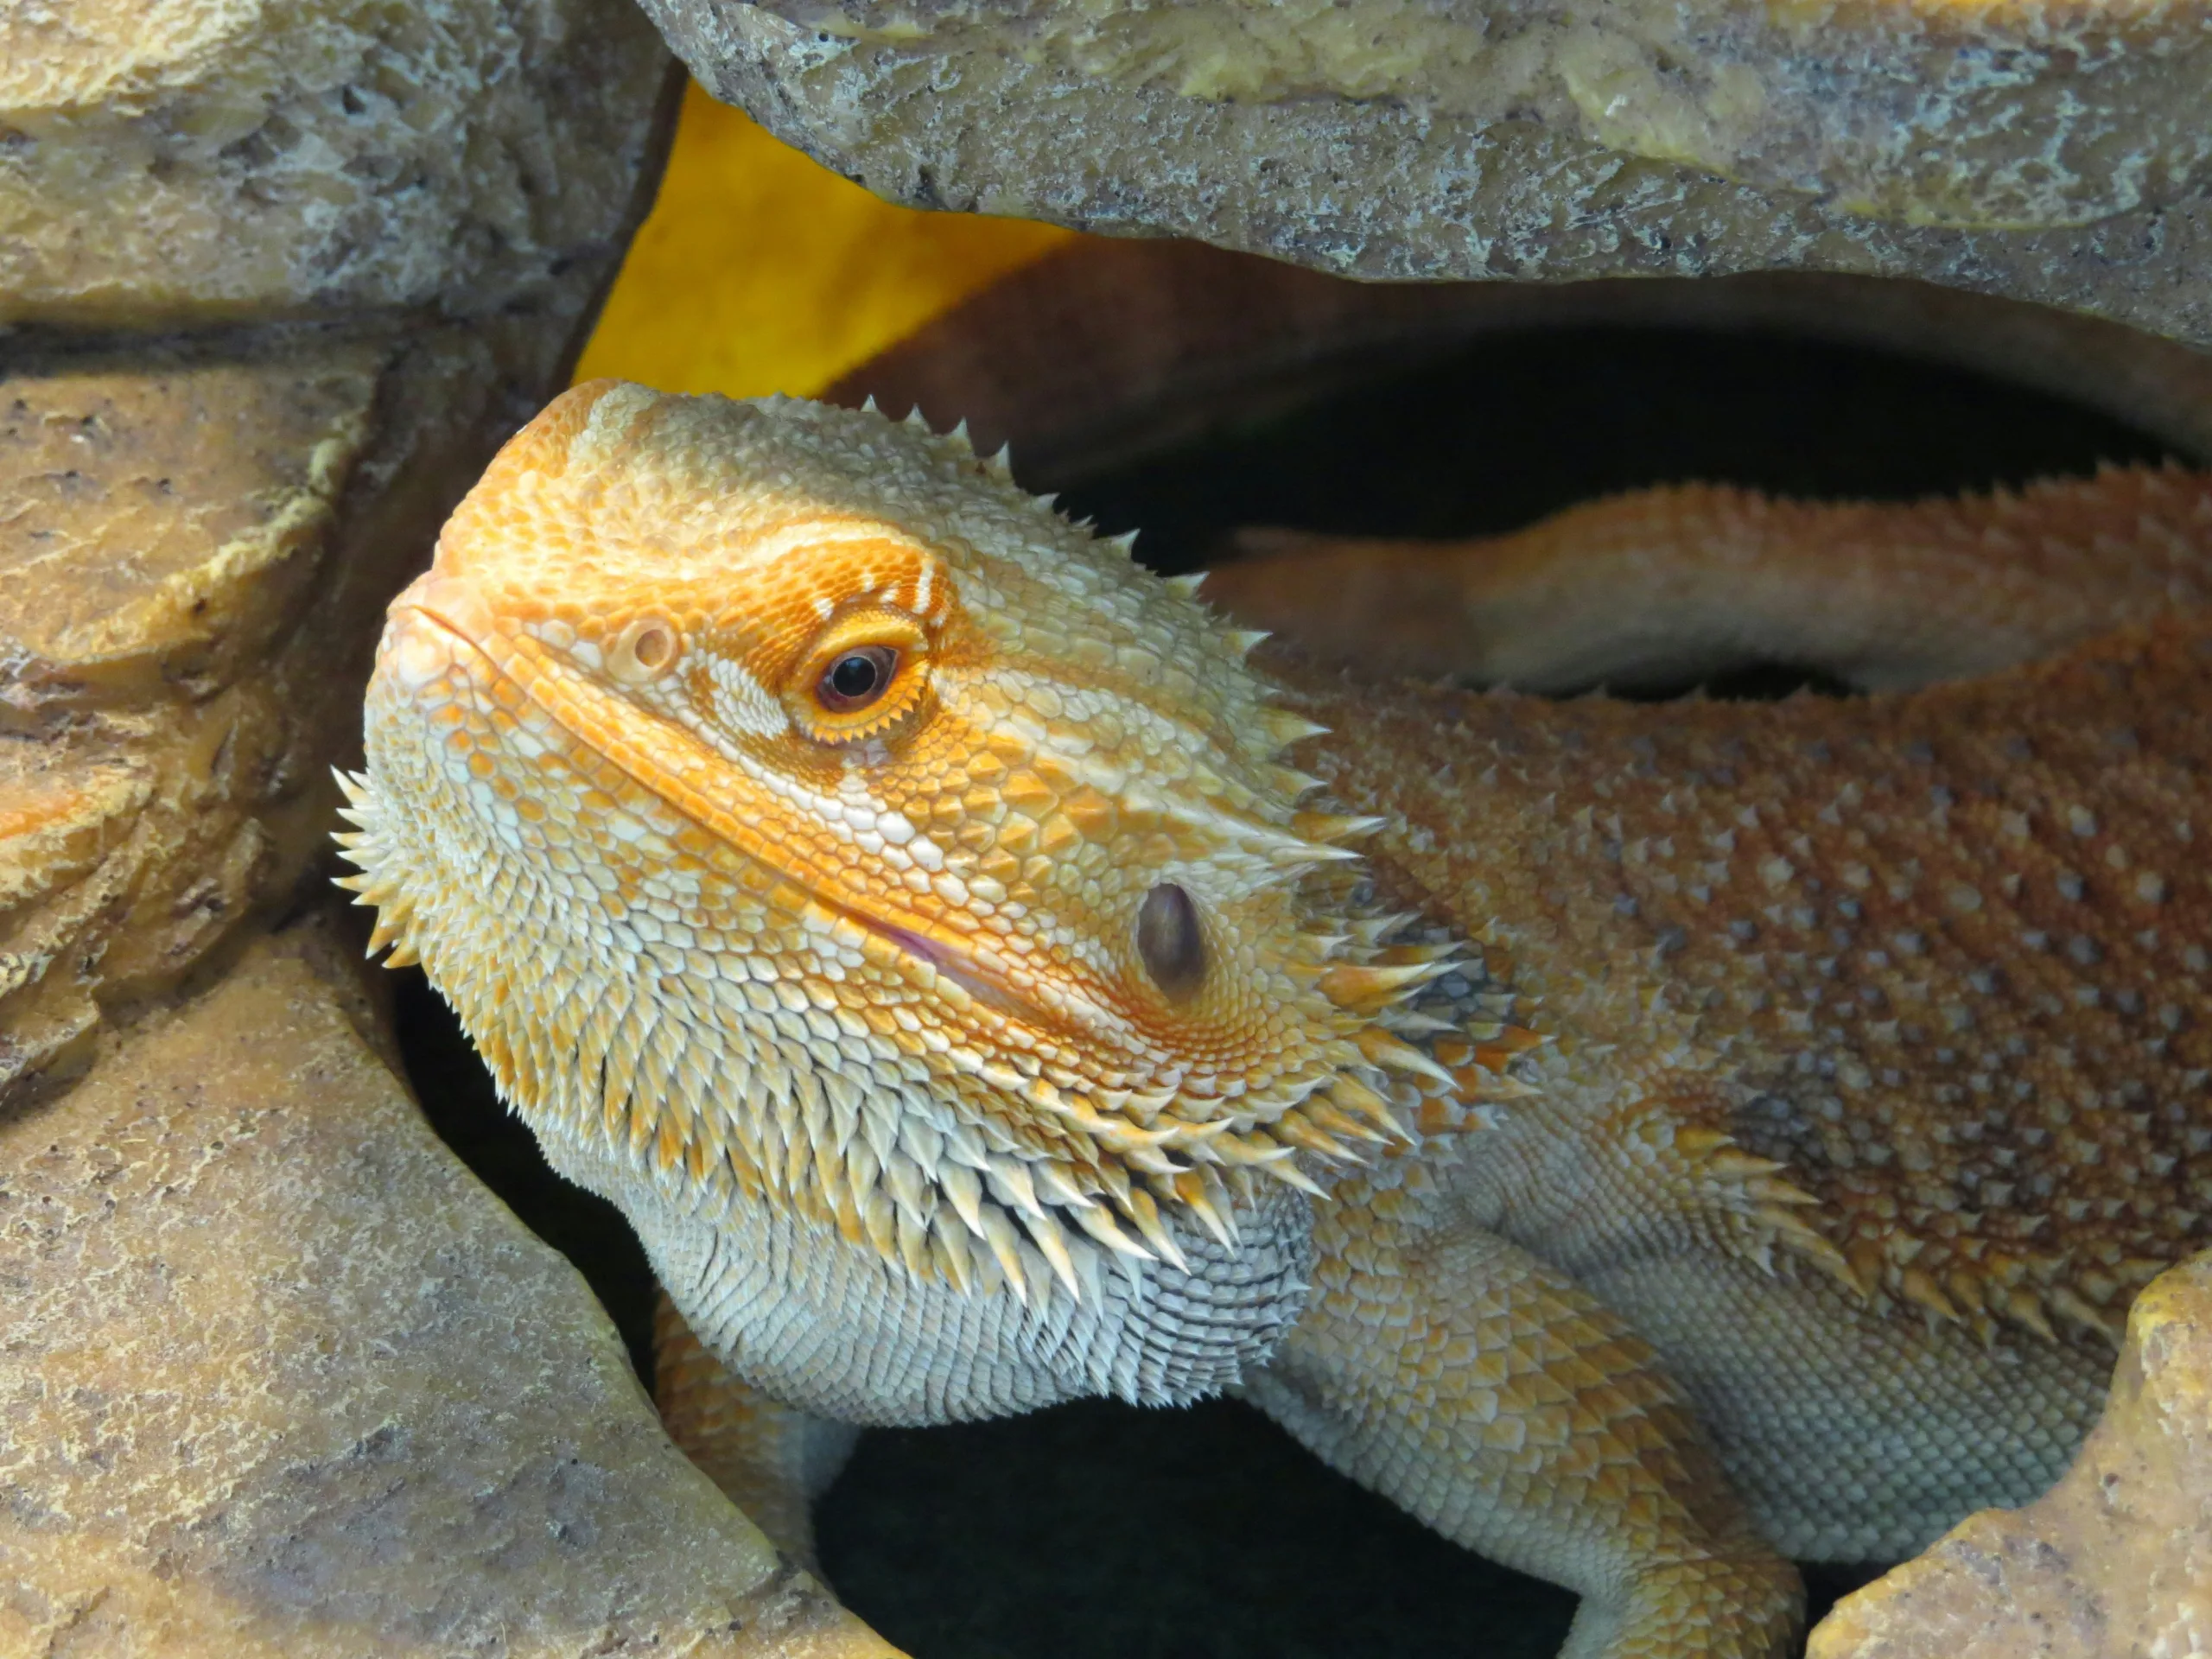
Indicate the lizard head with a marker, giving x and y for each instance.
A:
(792, 806)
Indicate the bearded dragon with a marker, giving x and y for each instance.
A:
(1647, 1143)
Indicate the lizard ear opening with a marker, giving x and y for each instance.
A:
(1171, 941)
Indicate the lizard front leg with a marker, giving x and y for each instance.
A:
(1489, 1395)
(1667, 584)
(770, 1459)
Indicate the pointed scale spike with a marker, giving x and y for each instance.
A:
(1011, 1186)
(2023, 1306)
(1099, 1224)
(1242, 640)
(1286, 1171)
(1368, 988)
(1371, 931)
(1327, 1117)
(1355, 1096)
(1285, 727)
(1060, 1189)
(1053, 1245)
(1001, 466)
(948, 1244)
(959, 435)
(1146, 1215)
(1381, 1048)
(965, 1193)
(1916, 1286)
(913, 1243)
(1188, 586)
(1298, 1130)
(1204, 1195)
(881, 1217)
(998, 1231)
(868, 406)
(1333, 829)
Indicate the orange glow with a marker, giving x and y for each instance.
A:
(760, 271)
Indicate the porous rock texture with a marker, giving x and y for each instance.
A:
(187, 160)
(198, 540)
(2115, 1559)
(2047, 149)
(278, 1378)
(276, 1375)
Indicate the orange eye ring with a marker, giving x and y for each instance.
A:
(863, 675)
(646, 648)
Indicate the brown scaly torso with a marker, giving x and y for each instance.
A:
(1940, 954)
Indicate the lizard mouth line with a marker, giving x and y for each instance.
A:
(953, 964)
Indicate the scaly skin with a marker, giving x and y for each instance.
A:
(1679, 1136)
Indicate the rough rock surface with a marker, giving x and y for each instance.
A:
(185, 162)
(2051, 152)
(197, 547)
(2116, 1560)
(277, 1377)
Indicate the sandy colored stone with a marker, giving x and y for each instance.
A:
(278, 1377)
(198, 545)
(2055, 152)
(2116, 1560)
(187, 161)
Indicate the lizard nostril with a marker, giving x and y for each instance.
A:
(1169, 940)
(644, 650)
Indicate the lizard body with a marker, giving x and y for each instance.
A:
(1638, 1140)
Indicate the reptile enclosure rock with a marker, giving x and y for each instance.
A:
(2046, 149)
(2116, 1558)
(276, 1376)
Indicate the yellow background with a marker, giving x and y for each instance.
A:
(760, 271)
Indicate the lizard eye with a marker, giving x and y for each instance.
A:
(645, 650)
(856, 678)
(862, 678)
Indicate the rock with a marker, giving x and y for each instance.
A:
(188, 163)
(2049, 153)
(2114, 1559)
(277, 1378)
(276, 1375)
(200, 541)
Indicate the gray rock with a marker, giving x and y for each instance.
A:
(2059, 155)
(278, 1378)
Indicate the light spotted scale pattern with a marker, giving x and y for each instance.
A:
(1679, 1135)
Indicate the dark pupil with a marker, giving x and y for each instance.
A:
(854, 676)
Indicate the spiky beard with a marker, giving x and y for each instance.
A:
(981, 1176)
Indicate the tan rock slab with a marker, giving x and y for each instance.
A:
(196, 545)
(2051, 152)
(178, 161)
(277, 1377)
(2116, 1560)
